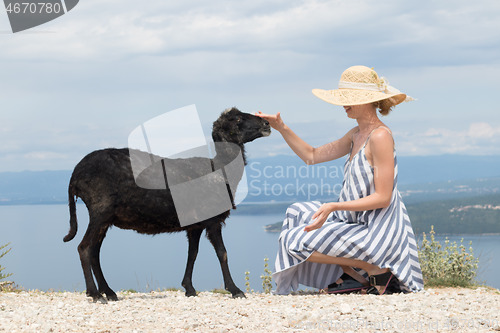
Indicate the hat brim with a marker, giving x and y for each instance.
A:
(349, 97)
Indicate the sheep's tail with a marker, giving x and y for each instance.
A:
(73, 223)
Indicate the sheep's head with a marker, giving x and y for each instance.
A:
(239, 127)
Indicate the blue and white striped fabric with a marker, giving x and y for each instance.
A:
(383, 237)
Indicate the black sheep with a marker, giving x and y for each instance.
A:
(105, 182)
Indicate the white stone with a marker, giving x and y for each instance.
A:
(345, 308)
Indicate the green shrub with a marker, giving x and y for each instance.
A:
(129, 291)
(266, 278)
(3, 253)
(247, 281)
(220, 291)
(448, 266)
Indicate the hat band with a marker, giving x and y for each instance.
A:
(384, 87)
(361, 86)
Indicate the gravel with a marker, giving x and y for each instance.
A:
(432, 310)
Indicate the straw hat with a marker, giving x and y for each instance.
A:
(361, 85)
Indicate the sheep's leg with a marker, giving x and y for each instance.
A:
(214, 234)
(84, 249)
(95, 250)
(194, 241)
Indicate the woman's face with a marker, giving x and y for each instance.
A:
(356, 111)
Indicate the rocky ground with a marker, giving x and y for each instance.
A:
(433, 310)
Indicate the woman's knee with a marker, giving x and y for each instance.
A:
(303, 206)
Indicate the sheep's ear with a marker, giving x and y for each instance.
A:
(230, 109)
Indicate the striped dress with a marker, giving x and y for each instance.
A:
(383, 237)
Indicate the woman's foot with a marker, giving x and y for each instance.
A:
(345, 277)
(379, 280)
(346, 285)
(353, 274)
(350, 281)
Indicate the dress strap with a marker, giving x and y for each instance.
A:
(376, 128)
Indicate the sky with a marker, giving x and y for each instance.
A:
(86, 80)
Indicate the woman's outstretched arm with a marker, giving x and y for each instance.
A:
(309, 154)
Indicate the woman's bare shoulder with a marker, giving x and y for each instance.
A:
(381, 137)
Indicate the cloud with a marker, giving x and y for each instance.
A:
(123, 29)
(478, 139)
(85, 80)
(44, 155)
(193, 39)
(482, 131)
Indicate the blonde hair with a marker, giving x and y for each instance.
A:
(384, 106)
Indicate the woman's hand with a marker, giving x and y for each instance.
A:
(321, 215)
(274, 120)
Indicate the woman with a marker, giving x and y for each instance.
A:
(364, 241)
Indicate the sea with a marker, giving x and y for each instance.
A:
(40, 260)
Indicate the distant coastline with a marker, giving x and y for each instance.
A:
(442, 214)
(446, 198)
